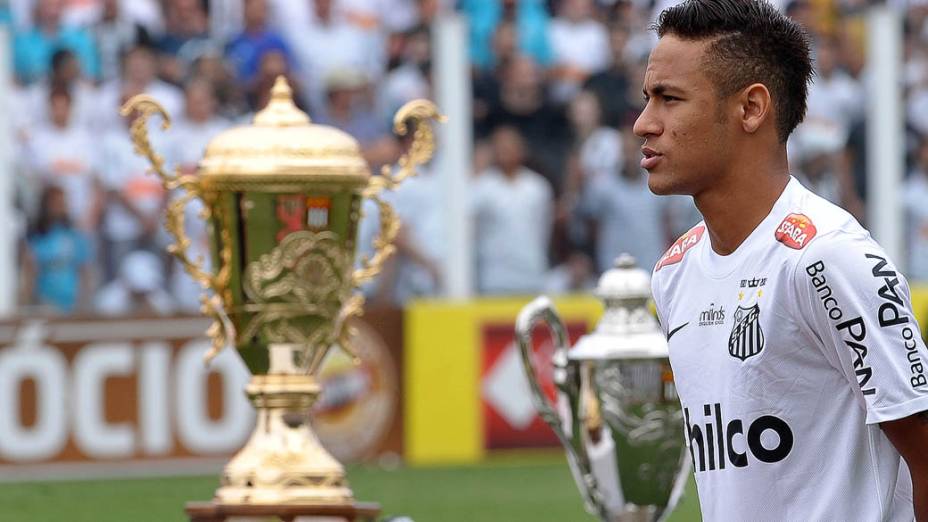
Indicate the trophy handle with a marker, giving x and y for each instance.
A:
(417, 112)
(542, 310)
(221, 331)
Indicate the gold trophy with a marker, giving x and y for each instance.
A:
(282, 198)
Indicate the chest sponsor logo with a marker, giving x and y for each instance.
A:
(795, 231)
(893, 313)
(747, 338)
(680, 246)
(712, 316)
(717, 442)
(853, 331)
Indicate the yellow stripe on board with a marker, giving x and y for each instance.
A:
(441, 378)
(443, 418)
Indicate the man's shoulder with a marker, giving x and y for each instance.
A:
(534, 180)
(816, 229)
(807, 218)
(677, 252)
(830, 222)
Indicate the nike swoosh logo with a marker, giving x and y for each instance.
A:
(675, 330)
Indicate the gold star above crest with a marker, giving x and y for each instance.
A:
(740, 295)
(760, 293)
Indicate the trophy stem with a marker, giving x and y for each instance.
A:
(283, 461)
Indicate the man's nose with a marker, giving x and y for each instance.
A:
(646, 124)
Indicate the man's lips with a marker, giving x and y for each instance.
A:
(650, 159)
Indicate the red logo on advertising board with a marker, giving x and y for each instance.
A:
(795, 231)
(676, 251)
(510, 418)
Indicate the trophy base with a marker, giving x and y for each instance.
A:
(213, 512)
(283, 461)
(636, 513)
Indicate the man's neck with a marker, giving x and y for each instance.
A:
(735, 207)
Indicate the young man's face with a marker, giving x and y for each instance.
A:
(684, 121)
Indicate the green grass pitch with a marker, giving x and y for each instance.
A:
(520, 487)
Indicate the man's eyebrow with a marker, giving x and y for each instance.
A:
(659, 89)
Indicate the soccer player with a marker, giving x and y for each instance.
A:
(796, 354)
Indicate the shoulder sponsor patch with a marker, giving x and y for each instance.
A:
(687, 241)
(795, 231)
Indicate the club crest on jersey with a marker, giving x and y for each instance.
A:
(747, 338)
(676, 251)
(795, 231)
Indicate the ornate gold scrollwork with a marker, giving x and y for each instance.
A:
(307, 275)
(417, 112)
(140, 108)
(420, 152)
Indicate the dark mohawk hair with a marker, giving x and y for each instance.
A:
(751, 43)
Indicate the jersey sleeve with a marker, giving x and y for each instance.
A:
(656, 298)
(852, 299)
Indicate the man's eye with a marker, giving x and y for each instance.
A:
(671, 98)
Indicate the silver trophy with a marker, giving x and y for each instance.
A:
(617, 412)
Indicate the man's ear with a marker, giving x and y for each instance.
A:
(755, 107)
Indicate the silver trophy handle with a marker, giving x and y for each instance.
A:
(568, 382)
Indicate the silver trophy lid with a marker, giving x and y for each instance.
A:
(627, 329)
(625, 280)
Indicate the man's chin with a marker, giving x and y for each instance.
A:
(660, 185)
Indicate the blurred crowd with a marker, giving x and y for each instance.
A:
(557, 192)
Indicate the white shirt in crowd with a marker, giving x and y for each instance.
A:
(125, 172)
(137, 289)
(109, 102)
(66, 157)
(418, 202)
(630, 219)
(330, 47)
(584, 45)
(787, 354)
(384, 16)
(403, 84)
(836, 101)
(187, 140)
(601, 153)
(84, 105)
(513, 223)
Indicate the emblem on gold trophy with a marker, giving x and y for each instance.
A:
(282, 198)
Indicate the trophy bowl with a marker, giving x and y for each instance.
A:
(618, 415)
(282, 199)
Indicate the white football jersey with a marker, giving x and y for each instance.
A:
(787, 354)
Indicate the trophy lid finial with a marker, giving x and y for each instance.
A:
(280, 110)
(625, 280)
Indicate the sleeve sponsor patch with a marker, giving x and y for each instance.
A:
(795, 231)
(687, 241)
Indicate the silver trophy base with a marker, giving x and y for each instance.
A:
(636, 513)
